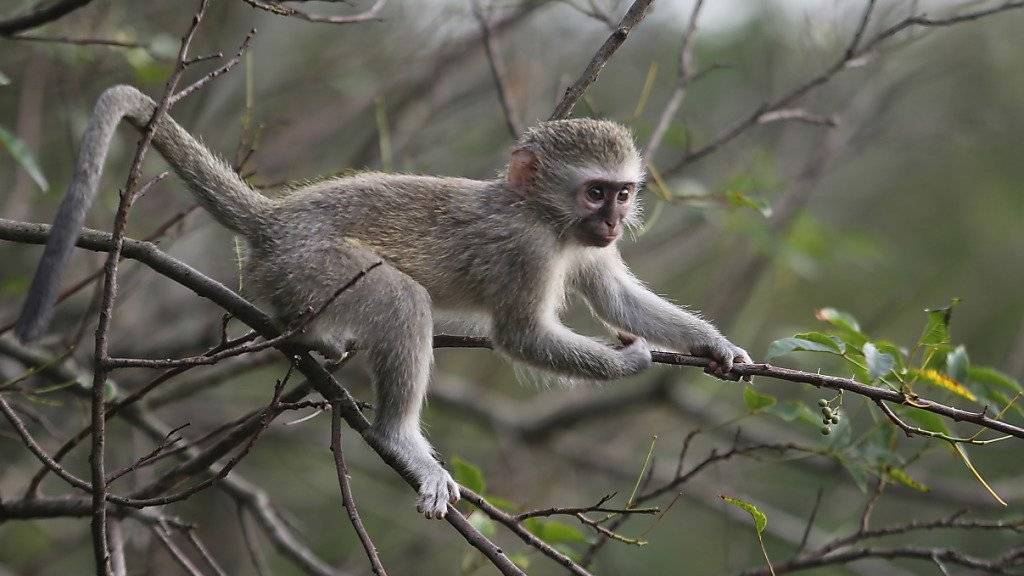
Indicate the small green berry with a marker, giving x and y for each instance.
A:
(835, 419)
(825, 430)
(827, 412)
(822, 402)
(826, 420)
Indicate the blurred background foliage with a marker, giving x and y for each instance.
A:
(914, 198)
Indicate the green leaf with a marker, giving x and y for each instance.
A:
(554, 532)
(23, 156)
(879, 363)
(927, 420)
(845, 324)
(806, 342)
(521, 560)
(993, 378)
(482, 523)
(503, 504)
(755, 400)
(740, 200)
(901, 477)
(792, 410)
(958, 364)
(893, 350)
(760, 520)
(936, 330)
(468, 475)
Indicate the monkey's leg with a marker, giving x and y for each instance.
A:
(396, 332)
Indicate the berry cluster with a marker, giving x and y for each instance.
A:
(830, 414)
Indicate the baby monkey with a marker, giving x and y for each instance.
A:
(507, 250)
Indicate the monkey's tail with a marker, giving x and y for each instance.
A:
(210, 179)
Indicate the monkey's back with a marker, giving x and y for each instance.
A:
(445, 233)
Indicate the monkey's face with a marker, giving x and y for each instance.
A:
(603, 207)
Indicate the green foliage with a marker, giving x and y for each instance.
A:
(879, 363)
(900, 476)
(760, 520)
(23, 156)
(554, 532)
(468, 475)
(756, 401)
(806, 342)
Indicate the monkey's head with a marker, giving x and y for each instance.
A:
(583, 174)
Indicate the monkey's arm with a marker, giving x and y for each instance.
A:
(618, 298)
(541, 340)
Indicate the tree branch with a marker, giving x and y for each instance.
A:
(575, 91)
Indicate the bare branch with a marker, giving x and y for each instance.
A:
(497, 70)
(575, 91)
(855, 50)
(163, 534)
(787, 374)
(372, 13)
(188, 90)
(40, 16)
(131, 189)
(346, 494)
(686, 74)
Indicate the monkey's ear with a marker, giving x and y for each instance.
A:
(522, 167)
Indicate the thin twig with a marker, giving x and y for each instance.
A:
(575, 91)
(40, 15)
(372, 13)
(854, 51)
(686, 74)
(163, 534)
(131, 189)
(346, 494)
(188, 90)
(497, 70)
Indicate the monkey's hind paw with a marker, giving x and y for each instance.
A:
(437, 490)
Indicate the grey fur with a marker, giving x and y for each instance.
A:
(462, 247)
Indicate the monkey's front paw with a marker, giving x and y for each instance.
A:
(636, 354)
(723, 355)
(437, 491)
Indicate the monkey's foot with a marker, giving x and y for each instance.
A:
(437, 490)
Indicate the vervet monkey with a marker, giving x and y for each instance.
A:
(508, 249)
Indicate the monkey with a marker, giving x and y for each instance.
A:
(509, 249)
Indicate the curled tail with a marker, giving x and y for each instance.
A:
(209, 178)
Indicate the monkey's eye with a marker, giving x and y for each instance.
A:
(623, 195)
(595, 193)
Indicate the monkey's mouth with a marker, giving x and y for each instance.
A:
(605, 239)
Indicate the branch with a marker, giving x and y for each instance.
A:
(686, 74)
(790, 375)
(854, 51)
(497, 70)
(575, 91)
(373, 13)
(40, 16)
(346, 494)
(106, 311)
(244, 311)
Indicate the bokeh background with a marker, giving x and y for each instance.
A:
(913, 198)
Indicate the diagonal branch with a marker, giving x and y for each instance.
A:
(318, 377)
(855, 50)
(346, 494)
(575, 91)
(372, 13)
(40, 16)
